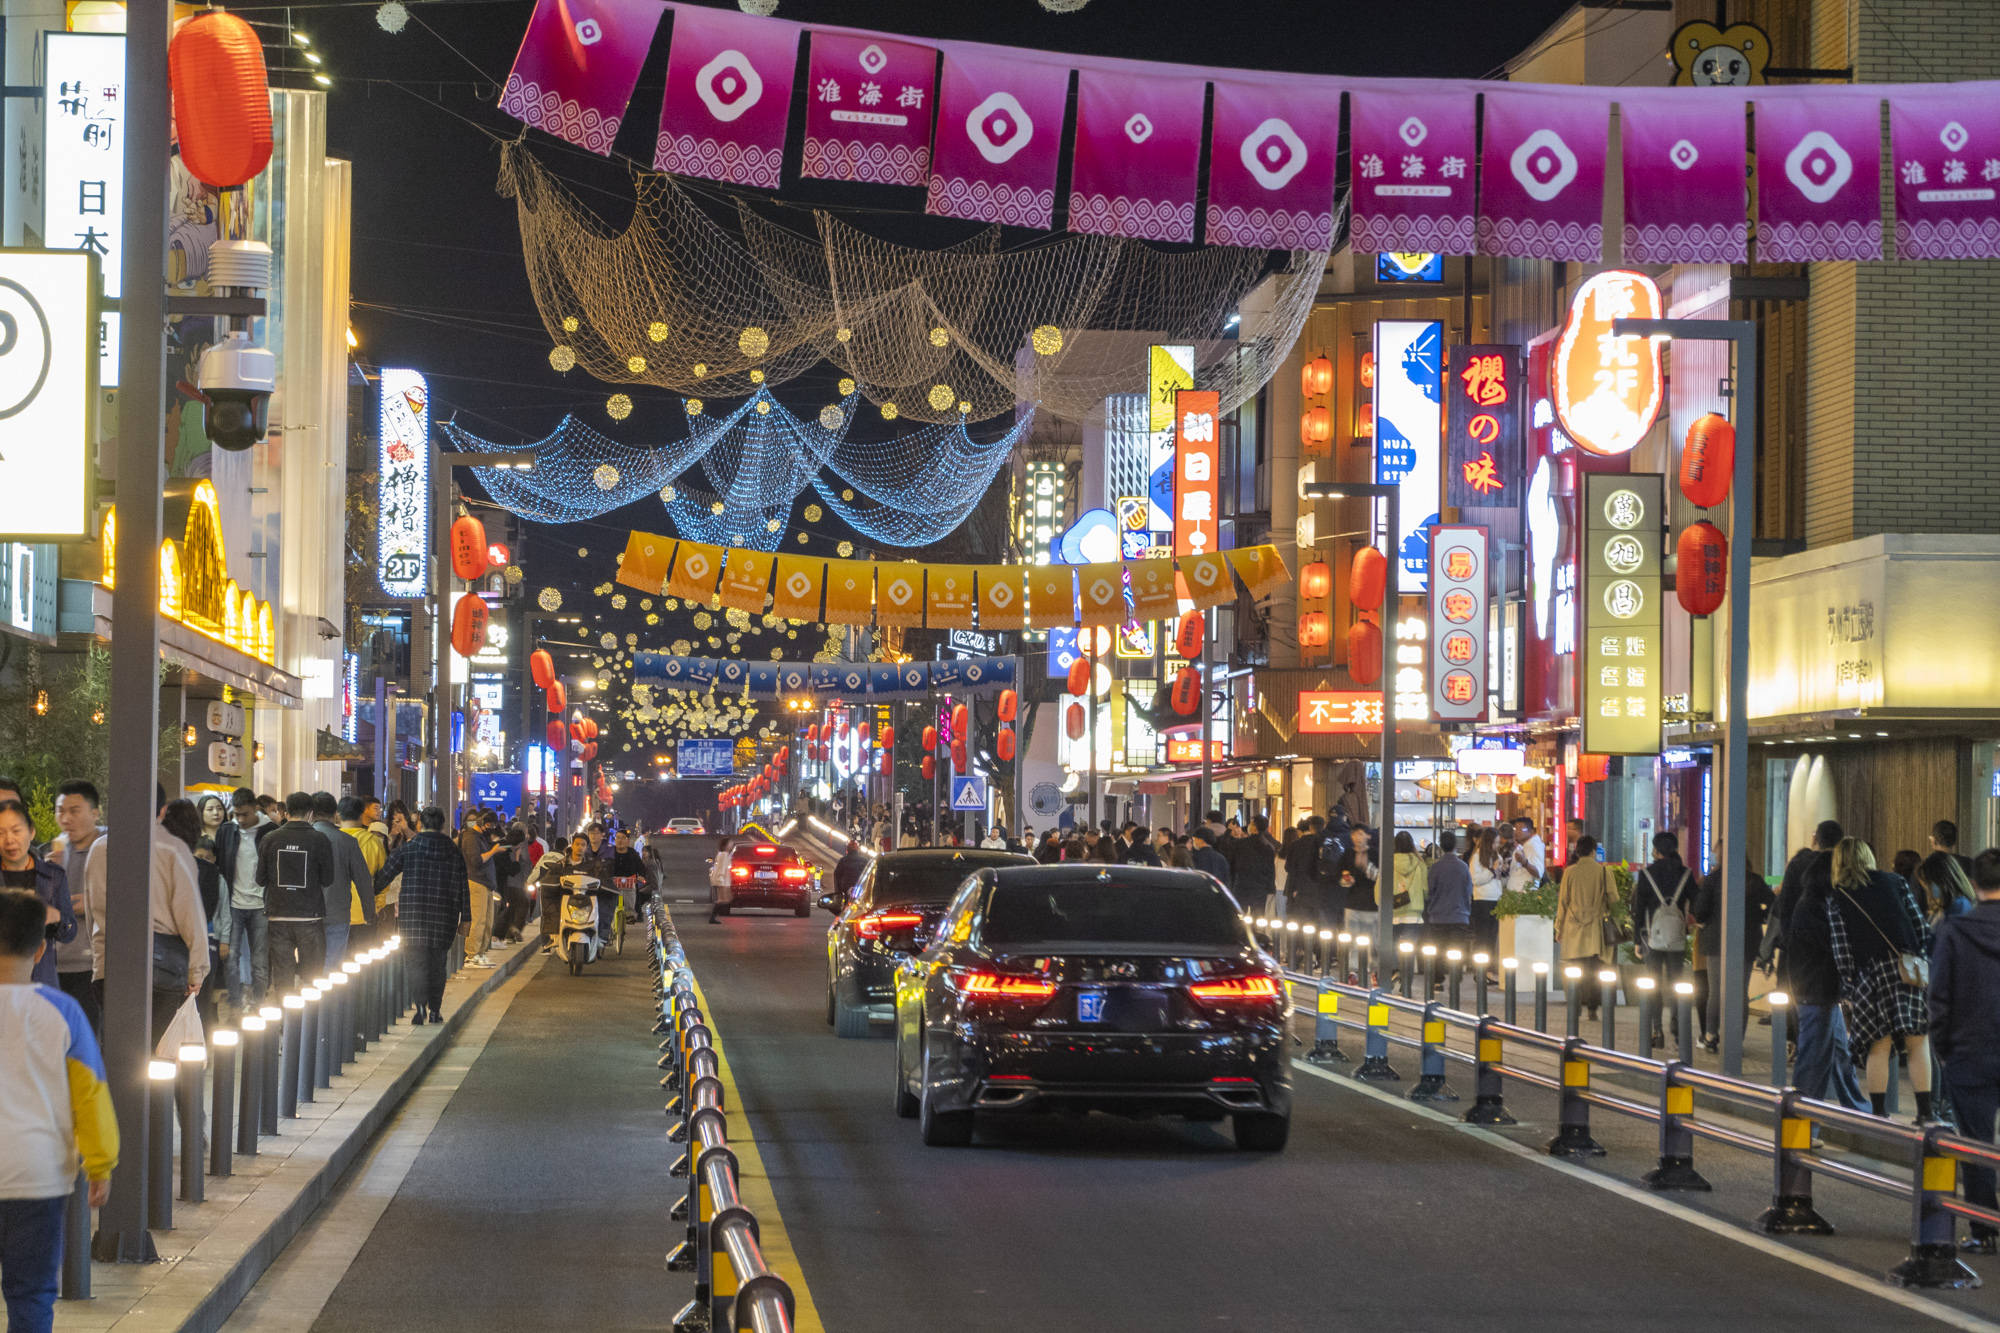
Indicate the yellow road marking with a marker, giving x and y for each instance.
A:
(754, 1184)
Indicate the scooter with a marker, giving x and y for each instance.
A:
(579, 938)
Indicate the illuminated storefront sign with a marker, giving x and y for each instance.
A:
(1409, 420)
(1607, 386)
(45, 398)
(1169, 370)
(1621, 612)
(1042, 509)
(403, 515)
(1339, 712)
(1412, 694)
(1197, 465)
(195, 587)
(83, 165)
(1483, 434)
(1188, 750)
(1409, 267)
(1458, 626)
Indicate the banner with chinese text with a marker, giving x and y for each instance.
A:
(1485, 396)
(1458, 623)
(868, 110)
(1623, 520)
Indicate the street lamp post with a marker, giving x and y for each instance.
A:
(1385, 836)
(1736, 741)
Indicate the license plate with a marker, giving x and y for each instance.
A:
(1090, 1006)
(767, 874)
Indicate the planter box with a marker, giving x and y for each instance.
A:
(1531, 940)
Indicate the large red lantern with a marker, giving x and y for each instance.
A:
(1364, 652)
(1367, 579)
(468, 626)
(1073, 721)
(1315, 427)
(1593, 767)
(587, 728)
(468, 548)
(1189, 636)
(1186, 696)
(888, 738)
(961, 721)
(958, 756)
(1003, 744)
(557, 696)
(928, 767)
(862, 733)
(812, 735)
(1315, 630)
(930, 739)
(1702, 579)
(784, 753)
(1079, 676)
(888, 763)
(222, 101)
(1709, 461)
(1316, 378)
(542, 668)
(558, 736)
(1010, 705)
(1316, 580)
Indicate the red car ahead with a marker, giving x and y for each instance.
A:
(768, 874)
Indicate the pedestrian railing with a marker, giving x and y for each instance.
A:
(1323, 960)
(733, 1286)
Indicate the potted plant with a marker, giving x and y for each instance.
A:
(1528, 928)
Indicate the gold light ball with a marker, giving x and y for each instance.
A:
(846, 386)
(549, 600)
(753, 342)
(608, 639)
(635, 364)
(813, 513)
(890, 412)
(604, 476)
(771, 525)
(756, 377)
(941, 397)
(569, 323)
(1047, 339)
(845, 548)
(802, 539)
(618, 601)
(514, 575)
(939, 337)
(847, 494)
(830, 417)
(844, 335)
(562, 358)
(763, 408)
(700, 369)
(694, 406)
(964, 407)
(667, 493)
(582, 551)
(715, 507)
(657, 331)
(618, 406)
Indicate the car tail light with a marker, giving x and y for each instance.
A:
(995, 986)
(877, 924)
(765, 851)
(794, 873)
(1237, 990)
(739, 872)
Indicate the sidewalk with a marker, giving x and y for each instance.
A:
(217, 1249)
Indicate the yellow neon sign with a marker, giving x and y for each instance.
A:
(195, 587)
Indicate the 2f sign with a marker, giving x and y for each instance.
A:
(48, 351)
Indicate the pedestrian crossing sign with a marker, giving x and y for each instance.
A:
(968, 793)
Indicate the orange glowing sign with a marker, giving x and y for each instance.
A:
(1607, 386)
(1339, 711)
(1188, 751)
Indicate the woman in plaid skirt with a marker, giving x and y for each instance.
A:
(1875, 927)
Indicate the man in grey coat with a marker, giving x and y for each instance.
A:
(1448, 897)
(353, 886)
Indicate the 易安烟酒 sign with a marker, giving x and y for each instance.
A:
(1622, 527)
(1458, 626)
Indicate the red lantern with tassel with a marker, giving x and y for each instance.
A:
(862, 732)
(784, 754)
(961, 721)
(1316, 581)
(1079, 676)
(468, 548)
(888, 739)
(1316, 378)
(558, 736)
(958, 756)
(1315, 630)
(1073, 721)
(1186, 696)
(1708, 464)
(1364, 652)
(1010, 705)
(1367, 579)
(222, 100)
(468, 626)
(888, 763)
(929, 767)
(812, 735)
(1003, 744)
(1702, 578)
(1189, 636)
(542, 668)
(557, 697)
(930, 739)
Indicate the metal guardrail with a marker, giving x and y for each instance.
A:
(741, 1291)
(1318, 958)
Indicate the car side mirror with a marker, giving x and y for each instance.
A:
(830, 902)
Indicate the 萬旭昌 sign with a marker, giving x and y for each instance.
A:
(1622, 527)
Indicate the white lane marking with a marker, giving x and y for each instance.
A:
(1827, 1268)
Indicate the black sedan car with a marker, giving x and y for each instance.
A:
(891, 914)
(1093, 987)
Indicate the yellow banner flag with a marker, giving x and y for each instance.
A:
(951, 589)
(648, 557)
(1001, 597)
(1153, 595)
(797, 593)
(850, 592)
(1051, 596)
(746, 581)
(902, 595)
(1261, 568)
(1207, 578)
(697, 566)
(1100, 593)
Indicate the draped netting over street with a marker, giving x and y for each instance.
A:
(678, 301)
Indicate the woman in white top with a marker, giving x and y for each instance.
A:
(1489, 877)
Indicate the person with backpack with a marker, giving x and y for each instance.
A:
(1663, 897)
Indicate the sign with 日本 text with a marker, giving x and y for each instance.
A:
(1197, 467)
(83, 163)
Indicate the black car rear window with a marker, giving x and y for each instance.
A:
(929, 880)
(1195, 913)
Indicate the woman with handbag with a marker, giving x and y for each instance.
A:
(1881, 946)
(1412, 886)
(1586, 934)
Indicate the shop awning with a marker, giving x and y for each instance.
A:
(86, 609)
(1154, 784)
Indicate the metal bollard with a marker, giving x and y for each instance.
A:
(76, 1243)
(1676, 1169)
(1325, 952)
(357, 1017)
(1607, 985)
(1489, 1104)
(302, 1061)
(329, 1023)
(1406, 965)
(1291, 938)
(1430, 956)
(160, 1144)
(280, 1032)
(1431, 1086)
(1649, 1012)
(1479, 962)
(1326, 1029)
(1454, 974)
(187, 1100)
(1573, 1134)
(1684, 1019)
(1375, 1067)
(1780, 1008)
(1572, 1005)
(222, 1110)
(1510, 969)
(1791, 1212)
(1933, 1260)
(1541, 971)
(1347, 972)
(1365, 943)
(340, 1030)
(249, 1107)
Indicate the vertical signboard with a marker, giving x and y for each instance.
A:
(1197, 462)
(1483, 428)
(1621, 612)
(1409, 421)
(1169, 370)
(1608, 386)
(1458, 629)
(83, 163)
(403, 514)
(46, 346)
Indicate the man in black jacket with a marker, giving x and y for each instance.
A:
(1965, 1027)
(847, 870)
(1201, 851)
(1137, 848)
(295, 867)
(1305, 895)
(1824, 1063)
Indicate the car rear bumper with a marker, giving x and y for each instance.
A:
(865, 979)
(1134, 1073)
(788, 896)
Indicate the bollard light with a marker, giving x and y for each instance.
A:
(1325, 935)
(1609, 976)
(160, 1076)
(1455, 956)
(1345, 937)
(1645, 983)
(312, 998)
(1292, 926)
(1482, 959)
(249, 1104)
(340, 1038)
(288, 1059)
(1684, 988)
(1430, 951)
(1777, 999)
(222, 1096)
(1405, 947)
(1262, 922)
(1571, 972)
(1539, 969)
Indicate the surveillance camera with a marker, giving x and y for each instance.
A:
(237, 378)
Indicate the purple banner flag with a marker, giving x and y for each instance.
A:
(729, 96)
(999, 139)
(577, 67)
(1541, 191)
(1138, 155)
(1686, 197)
(868, 110)
(1411, 157)
(1944, 143)
(1270, 166)
(1819, 172)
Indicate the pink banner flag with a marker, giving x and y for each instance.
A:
(999, 139)
(1270, 166)
(868, 110)
(1138, 156)
(1541, 183)
(729, 96)
(1411, 159)
(1819, 174)
(577, 67)
(1686, 197)
(1945, 150)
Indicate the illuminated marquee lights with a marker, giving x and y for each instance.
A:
(195, 587)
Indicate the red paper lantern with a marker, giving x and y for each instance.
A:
(558, 736)
(1186, 696)
(468, 626)
(1367, 370)
(930, 738)
(1079, 676)
(222, 102)
(587, 728)
(1010, 705)
(888, 738)
(1003, 744)
(1316, 377)
(862, 733)
(928, 768)
(1074, 721)
(1315, 630)
(1315, 426)
(1702, 579)
(468, 548)
(1364, 652)
(1189, 636)
(1316, 580)
(812, 735)
(1364, 422)
(958, 756)
(961, 721)
(1367, 579)
(1709, 461)
(840, 724)
(542, 668)
(557, 697)
(784, 753)
(888, 763)
(589, 751)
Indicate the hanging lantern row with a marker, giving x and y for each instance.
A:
(1364, 652)
(468, 626)
(1074, 721)
(469, 552)
(1315, 427)
(1079, 676)
(557, 696)
(1701, 578)
(1708, 463)
(1316, 378)
(1009, 706)
(1368, 579)
(1186, 696)
(1003, 744)
(1315, 581)
(1315, 629)
(542, 668)
(1189, 637)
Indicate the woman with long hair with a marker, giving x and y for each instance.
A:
(401, 826)
(1489, 877)
(1583, 905)
(1875, 925)
(1412, 882)
(1942, 888)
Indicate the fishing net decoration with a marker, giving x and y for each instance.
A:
(678, 301)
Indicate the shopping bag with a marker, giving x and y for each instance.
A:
(184, 1030)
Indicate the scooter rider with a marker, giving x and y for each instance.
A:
(549, 891)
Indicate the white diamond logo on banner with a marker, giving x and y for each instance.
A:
(1138, 129)
(1819, 166)
(798, 585)
(1273, 154)
(1683, 155)
(872, 59)
(1954, 136)
(1544, 165)
(999, 127)
(1413, 131)
(1000, 594)
(588, 33)
(728, 85)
